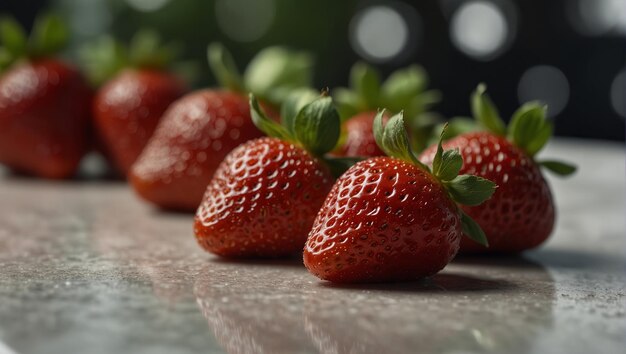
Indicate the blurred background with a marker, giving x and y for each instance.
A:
(568, 53)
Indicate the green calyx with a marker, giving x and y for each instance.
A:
(393, 138)
(309, 120)
(404, 90)
(272, 75)
(105, 57)
(528, 129)
(48, 36)
(463, 189)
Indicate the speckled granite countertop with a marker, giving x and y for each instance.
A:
(87, 268)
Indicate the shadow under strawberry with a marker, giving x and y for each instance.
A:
(441, 282)
(457, 310)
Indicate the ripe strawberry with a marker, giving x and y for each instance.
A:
(44, 102)
(403, 91)
(137, 91)
(201, 128)
(265, 195)
(521, 213)
(359, 137)
(390, 218)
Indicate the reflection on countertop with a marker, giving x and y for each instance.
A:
(86, 268)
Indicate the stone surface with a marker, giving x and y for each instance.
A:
(85, 267)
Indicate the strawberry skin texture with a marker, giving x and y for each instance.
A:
(194, 135)
(128, 108)
(44, 118)
(384, 220)
(520, 215)
(360, 137)
(262, 200)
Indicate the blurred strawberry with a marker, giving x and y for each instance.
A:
(201, 128)
(44, 102)
(521, 214)
(136, 87)
(404, 91)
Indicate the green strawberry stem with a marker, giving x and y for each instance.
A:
(48, 36)
(309, 122)
(105, 57)
(463, 189)
(272, 75)
(529, 129)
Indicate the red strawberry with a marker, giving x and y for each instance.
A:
(265, 195)
(359, 138)
(200, 129)
(44, 103)
(402, 91)
(137, 92)
(521, 213)
(195, 135)
(262, 200)
(390, 218)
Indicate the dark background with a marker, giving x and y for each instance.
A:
(568, 53)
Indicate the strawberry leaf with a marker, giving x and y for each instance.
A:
(348, 103)
(403, 86)
(223, 66)
(558, 167)
(451, 163)
(49, 35)
(469, 189)
(529, 129)
(275, 72)
(317, 126)
(12, 37)
(293, 104)
(365, 81)
(6, 59)
(473, 230)
(393, 138)
(102, 59)
(485, 111)
(446, 164)
(265, 124)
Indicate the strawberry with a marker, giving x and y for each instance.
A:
(264, 196)
(521, 213)
(359, 137)
(391, 218)
(137, 91)
(201, 128)
(404, 90)
(44, 102)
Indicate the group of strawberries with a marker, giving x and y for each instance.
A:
(339, 177)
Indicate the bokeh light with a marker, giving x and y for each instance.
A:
(380, 33)
(546, 84)
(245, 20)
(147, 5)
(618, 91)
(597, 17)
(481, 29)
